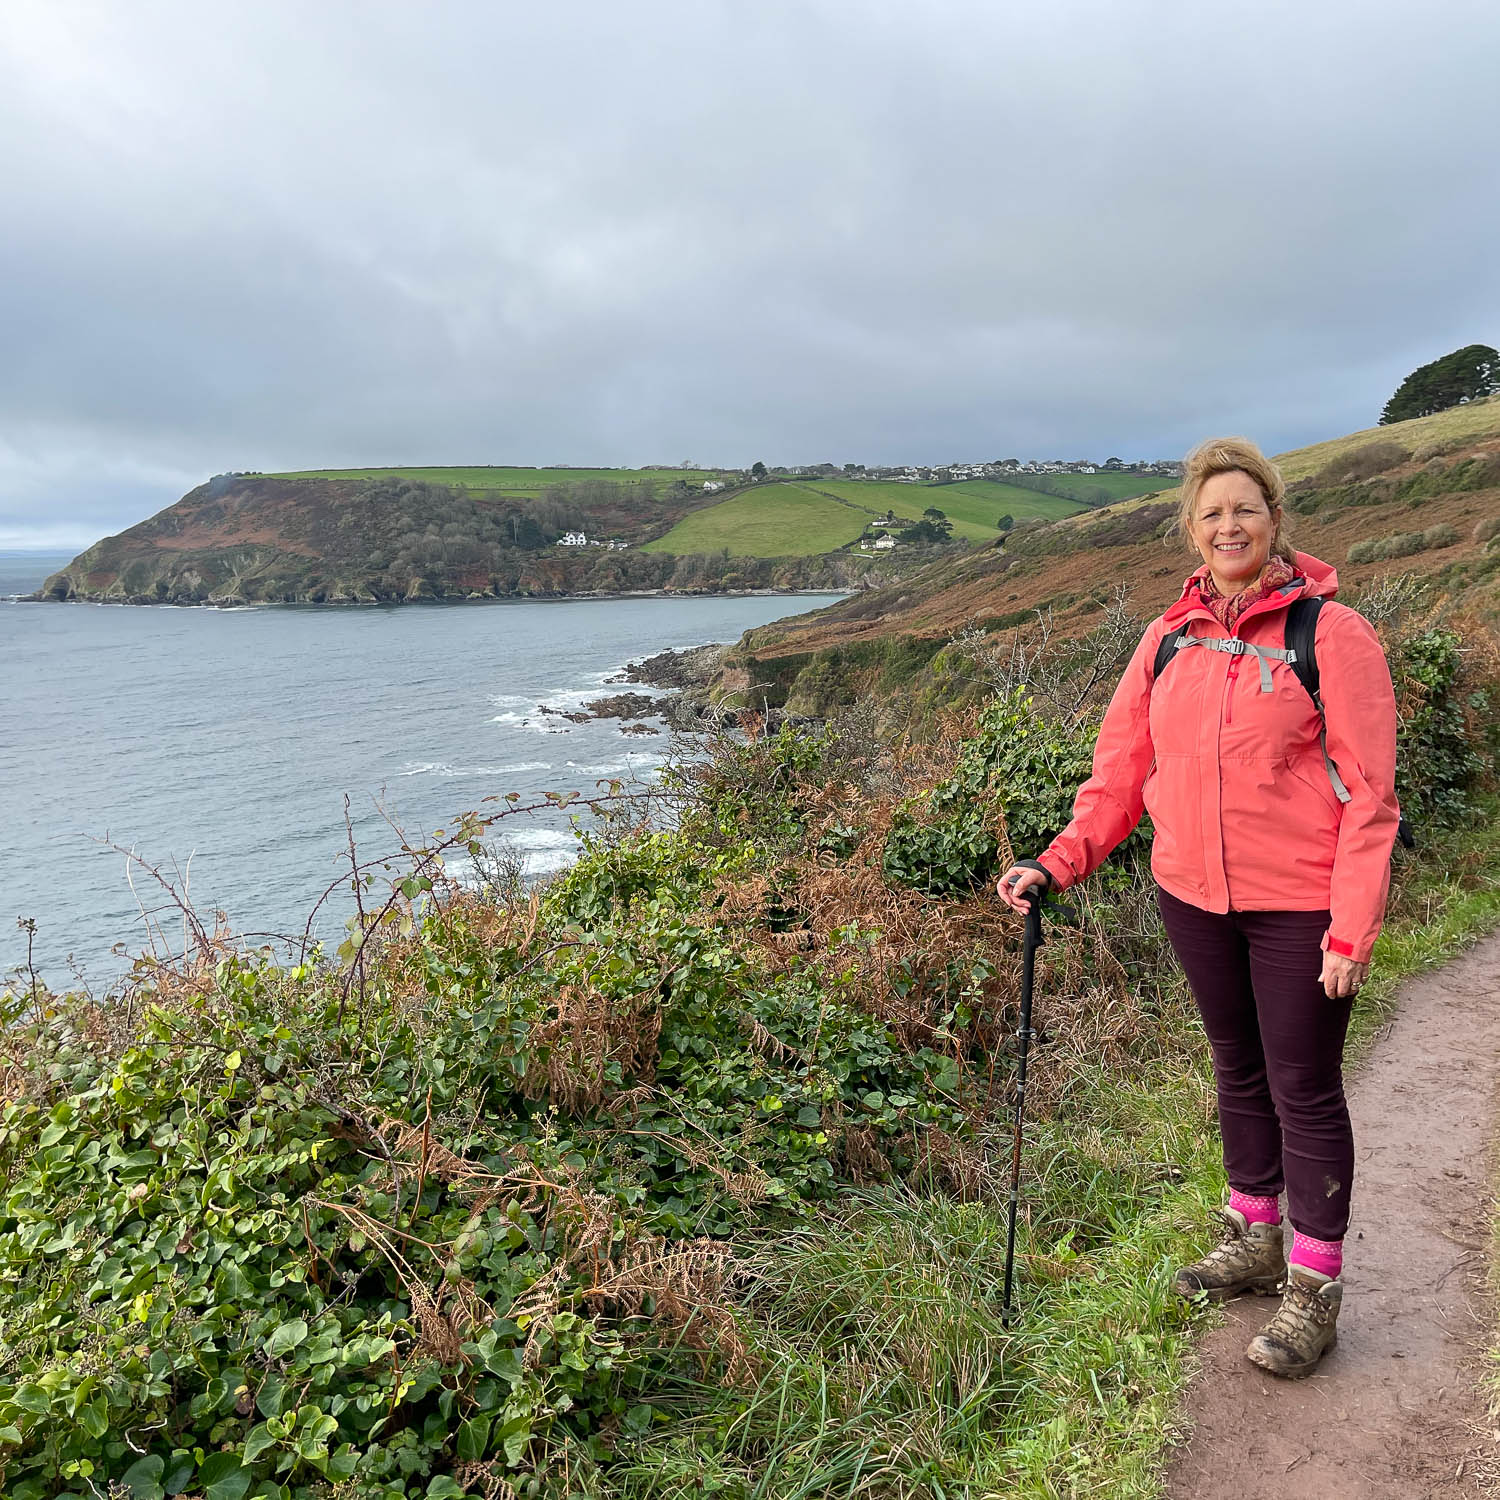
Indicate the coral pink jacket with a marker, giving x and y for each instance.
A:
(1233, 778)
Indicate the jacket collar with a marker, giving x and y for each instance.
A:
(1313, 577)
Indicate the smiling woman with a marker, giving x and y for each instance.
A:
(1274, 811)
(1232, 511)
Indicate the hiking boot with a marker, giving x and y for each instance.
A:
(1304, 1328)
(1251, 1259)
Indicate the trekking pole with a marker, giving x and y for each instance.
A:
(1034, 899)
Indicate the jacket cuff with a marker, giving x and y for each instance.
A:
(1332, 944)
(1058, 879)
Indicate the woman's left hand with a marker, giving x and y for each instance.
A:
(1341, 976)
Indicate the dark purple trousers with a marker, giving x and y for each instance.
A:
(1278, 1051)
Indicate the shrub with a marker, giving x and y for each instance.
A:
(1363, 463)
(1403, 544)
(1018, 775)
(1487, 529)
(1441, 720)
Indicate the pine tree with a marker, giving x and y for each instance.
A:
(1465, 375)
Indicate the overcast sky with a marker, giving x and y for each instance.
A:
(258, 234)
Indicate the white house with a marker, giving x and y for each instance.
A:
(710, 485)
(573, 539)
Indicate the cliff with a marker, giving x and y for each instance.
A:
(242, 539)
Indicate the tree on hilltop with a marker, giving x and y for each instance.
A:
(757, 470)
(1468, 374)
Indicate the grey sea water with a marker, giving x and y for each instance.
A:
(219, 744)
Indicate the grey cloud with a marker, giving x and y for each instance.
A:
(270, 235)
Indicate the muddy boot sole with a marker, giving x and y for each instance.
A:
(1288, 1372)
(1262, 1286)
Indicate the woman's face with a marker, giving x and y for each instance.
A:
(1233, 530)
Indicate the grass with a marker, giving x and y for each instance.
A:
(819, 515)
(973, 506)
(504, 477)
(1443, 432)
(1475, 422)
(1098, 489)
(771, 520)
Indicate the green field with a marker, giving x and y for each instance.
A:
(876, 496)
(1099, 489)
(516, 481)
(990, 499)
(819, 515)
(772, 520)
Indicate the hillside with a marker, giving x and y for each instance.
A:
(819, 515)
(379, 535)
(369, 536)
(1419, 497)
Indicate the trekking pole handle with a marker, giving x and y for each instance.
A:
(1033, 896)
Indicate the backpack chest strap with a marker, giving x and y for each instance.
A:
(1234, 646)
(1264, 656)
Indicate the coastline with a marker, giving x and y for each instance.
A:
(141, 602)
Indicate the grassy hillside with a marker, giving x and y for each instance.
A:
(817, 515)
(259, 539)
(771, 520)
(1419, 497)
(973, 506)
(984, 501)
(1094, 489)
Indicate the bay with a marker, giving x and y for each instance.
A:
(219, 745)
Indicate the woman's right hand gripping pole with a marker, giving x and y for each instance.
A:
(1018, 880)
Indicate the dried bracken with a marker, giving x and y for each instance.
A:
(681, 1287)
(589, 1034)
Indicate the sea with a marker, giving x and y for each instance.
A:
(211, 751)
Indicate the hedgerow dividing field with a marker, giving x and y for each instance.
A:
(514, 481)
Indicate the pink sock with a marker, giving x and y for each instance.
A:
(1324, 1256)
(1255, 1210)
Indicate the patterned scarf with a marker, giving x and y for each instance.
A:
(1227, 608)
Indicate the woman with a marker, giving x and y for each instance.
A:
(1272, 889)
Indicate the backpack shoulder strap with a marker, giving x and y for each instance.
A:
(1302, 657)
(1301, 640)
(1165, 652)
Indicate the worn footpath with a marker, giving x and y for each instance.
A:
(1394, 1410)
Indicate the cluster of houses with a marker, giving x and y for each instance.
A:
(998, 469)
(578, 539)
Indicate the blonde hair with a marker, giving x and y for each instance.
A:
(1234, 455)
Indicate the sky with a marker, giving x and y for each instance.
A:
(263, 234)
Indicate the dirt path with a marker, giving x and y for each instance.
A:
(1393, 1411)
